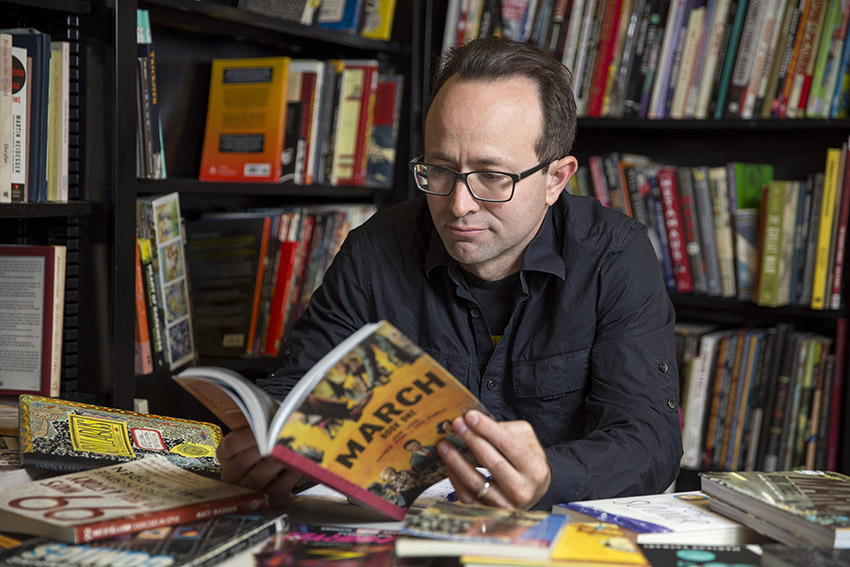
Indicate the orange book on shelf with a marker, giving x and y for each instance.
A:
(244, 136)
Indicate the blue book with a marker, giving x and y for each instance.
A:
(341, 16)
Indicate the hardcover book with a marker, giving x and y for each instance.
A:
(810, 504)
(196, 544)
(669, 518)
(32, 281)
(454, 529)
(349, 421)
(125, 498)
(71, 436)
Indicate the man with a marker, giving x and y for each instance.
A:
(549, 307)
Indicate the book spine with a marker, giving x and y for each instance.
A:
(111, 528)
(660, 226)
(605, 53)
(836, 297)
(144, 356)
(741, 76)
(730, 50)
(705, 212)
(723, 231)
(824, 238)
(715, 40)
(768, 290)
(837, 393)
(668, 186)
(797, 97)
(697, 400)
(155, 322)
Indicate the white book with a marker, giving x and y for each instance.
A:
(5, 118)
(765, 57)
(675, 16)
(668, 518)
(19, 123)
(712, 55)
(696, 21)
(695, 400)
(573, 34)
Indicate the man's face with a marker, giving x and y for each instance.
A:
(490, 126)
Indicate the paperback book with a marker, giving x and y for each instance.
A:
(454, 529)
(580, 544)
(778, 555)
(118, 499)
(675, 555)
(196, 544)
(678, 517)
(804, 506)
(65, 435)
(356, 421)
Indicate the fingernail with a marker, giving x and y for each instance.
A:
(459, 426)
(472, 417)
(443, 447)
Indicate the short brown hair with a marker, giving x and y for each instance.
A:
(493, 58)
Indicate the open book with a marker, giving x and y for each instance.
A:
(365, 420)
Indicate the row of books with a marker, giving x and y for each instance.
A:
(734, 231)
(150, 146)
(303, 121)
(371, 19)
(253, 272)
(682, 59)
(760, 398)
(35, 99)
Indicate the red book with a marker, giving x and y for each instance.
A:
(841, 236)
(124, 498)
(837, 394)
(32, 282)
(604, 55)
(676, 239)
(280, 299)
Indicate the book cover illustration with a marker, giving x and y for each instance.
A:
(159, 219)
(364, 420)
(682, 517)
(333, 546)
(462, 528)
(66, 435)
(814, 505)
(124, 498)
(374, 420)
(672, 555)
(204, 542)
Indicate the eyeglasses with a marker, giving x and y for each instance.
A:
(489, 186)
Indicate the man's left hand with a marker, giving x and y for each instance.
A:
(510, 450)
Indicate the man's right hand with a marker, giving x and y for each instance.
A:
(242, 464)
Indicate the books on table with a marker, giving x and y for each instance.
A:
(454, 529)
(675, 517)
(348, 421)
(124, 498)
(796, 507)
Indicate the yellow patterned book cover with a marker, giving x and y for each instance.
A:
(70, 436)
(365, 420)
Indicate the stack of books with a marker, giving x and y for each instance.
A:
(797, 508)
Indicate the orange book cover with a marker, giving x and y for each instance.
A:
(246, 113)
(365, 420)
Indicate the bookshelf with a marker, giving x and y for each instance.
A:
(795, 147)
(98, 223)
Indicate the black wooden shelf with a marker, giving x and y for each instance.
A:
(71, 6)
(217, 19)
(43, 210)
(287, 190)
(709, 125)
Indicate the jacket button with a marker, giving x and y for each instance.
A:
(474, 312)
(671, 403)
(491, 385)
(287, 352)
(663, 367)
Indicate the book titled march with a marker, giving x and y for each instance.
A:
(349, 420)
(119, 499)
(799, 507)
(65, 435)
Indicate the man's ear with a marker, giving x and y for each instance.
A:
(560, 173)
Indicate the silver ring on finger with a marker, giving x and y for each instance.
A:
(483, 490)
